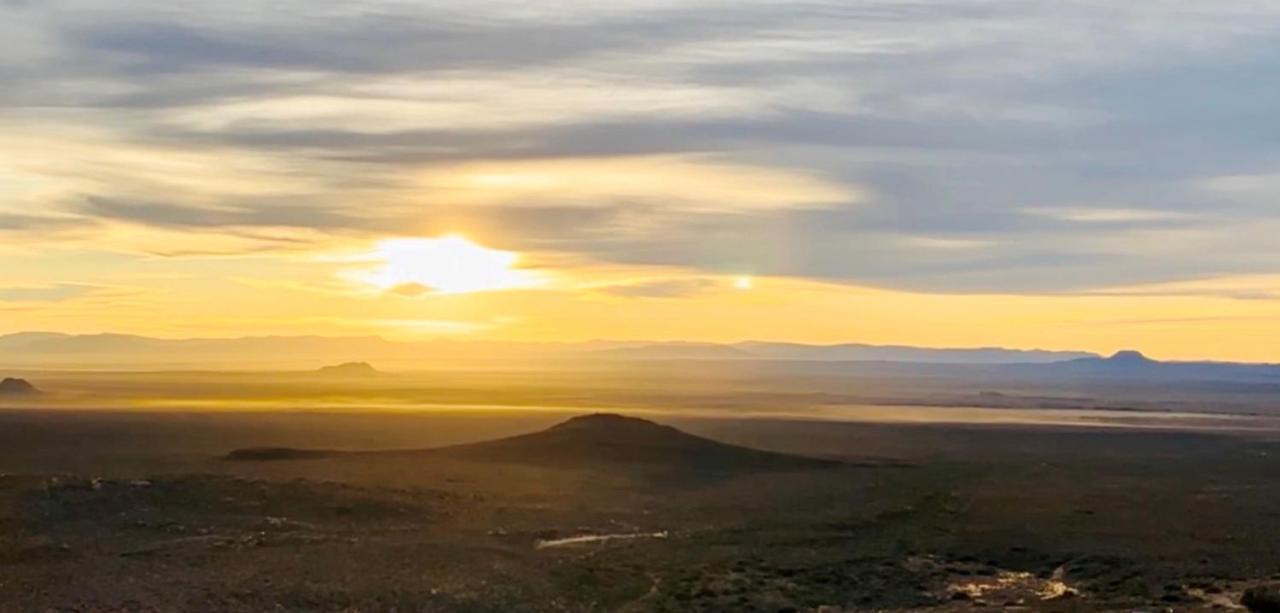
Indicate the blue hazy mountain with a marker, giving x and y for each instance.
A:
(309, 352)
(858, 352)
(1135, 365)
(119, 351)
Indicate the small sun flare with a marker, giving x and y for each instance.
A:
(744, 282)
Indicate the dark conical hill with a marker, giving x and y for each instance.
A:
(591, 440)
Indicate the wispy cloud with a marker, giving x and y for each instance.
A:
(48, 293)
(662, 288)
(936, 146)
(240, 215)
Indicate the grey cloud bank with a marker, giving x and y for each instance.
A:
(969, 124)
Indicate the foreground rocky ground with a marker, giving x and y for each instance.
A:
(1070, 521)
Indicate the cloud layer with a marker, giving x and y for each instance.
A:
(937, 146)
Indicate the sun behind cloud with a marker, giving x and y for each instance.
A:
(449, 264)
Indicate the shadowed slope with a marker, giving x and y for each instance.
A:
(588, 440)
(615, 438)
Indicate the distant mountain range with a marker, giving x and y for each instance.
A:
(125, 352)
(45, 349)
(846, 352)
(1134, 365)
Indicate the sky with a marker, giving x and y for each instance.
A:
(1070, 175)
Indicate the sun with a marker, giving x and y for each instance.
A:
(445, 265)
(744, 282)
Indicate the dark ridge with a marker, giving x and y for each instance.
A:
(613, 424)
(591, 440)
(17, 387)
(270, 454)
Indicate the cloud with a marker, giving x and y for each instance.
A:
(1110, 215)
(410, 290)
(662, 288)
(677, 183)
(37, 224)
(420, 327)
(1242, 287)
(938, 146)
(241, 215)
(47, 293)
